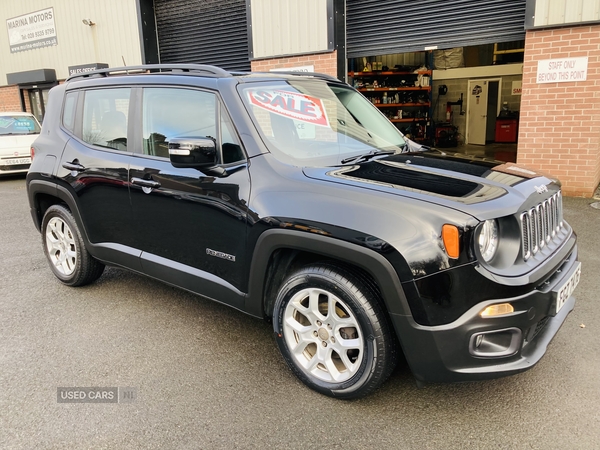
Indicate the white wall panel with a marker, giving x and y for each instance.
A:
(573, 12)
(114, 37)
(563, 12)
(590, 10)
(288, 27)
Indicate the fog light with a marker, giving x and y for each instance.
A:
(496, 343)
(497, 310)
(478, 340)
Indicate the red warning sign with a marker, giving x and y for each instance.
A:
(290, 104)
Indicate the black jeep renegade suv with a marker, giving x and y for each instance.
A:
(291, 198)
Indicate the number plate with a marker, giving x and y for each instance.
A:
(15, 161)
(567, 289)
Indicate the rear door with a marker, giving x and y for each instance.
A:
(192, 225)
(94, 167)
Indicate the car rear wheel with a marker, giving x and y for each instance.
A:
(333, 332)
(65, 250)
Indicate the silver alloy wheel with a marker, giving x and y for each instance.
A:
(61, 245)
(323, 335)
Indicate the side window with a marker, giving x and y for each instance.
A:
(175, 112)
(68, 117)
(105, 113)
(232, 150)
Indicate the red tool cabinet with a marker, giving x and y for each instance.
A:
(506, 130)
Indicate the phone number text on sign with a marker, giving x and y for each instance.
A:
(32, 30)
(291, 105)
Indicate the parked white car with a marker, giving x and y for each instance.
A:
(18, 130)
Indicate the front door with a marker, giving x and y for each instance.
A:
(481, 113)
(191, 225)
(38, 98)
(477, 111)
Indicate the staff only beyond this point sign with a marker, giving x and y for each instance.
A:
(562, 70)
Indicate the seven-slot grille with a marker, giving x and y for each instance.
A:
(540, 224)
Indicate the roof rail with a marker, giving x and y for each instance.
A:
(322, 76)
(179, 69)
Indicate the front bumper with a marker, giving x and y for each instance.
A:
(519, 340)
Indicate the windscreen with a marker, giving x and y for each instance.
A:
(313, 123)
(13, 124)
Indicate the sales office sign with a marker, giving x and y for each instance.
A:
(562, 70)
(32, 30)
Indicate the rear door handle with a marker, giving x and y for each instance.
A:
(73, 166)
(145, 183)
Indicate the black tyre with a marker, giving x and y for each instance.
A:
(332, 331)
(65, 250)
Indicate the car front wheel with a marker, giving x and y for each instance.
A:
(332, 331)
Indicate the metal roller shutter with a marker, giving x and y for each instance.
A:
(203, 32)
(381, 27)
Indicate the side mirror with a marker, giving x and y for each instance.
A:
(193, 152)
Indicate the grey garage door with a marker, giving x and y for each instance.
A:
(381, 27)
(203, 32)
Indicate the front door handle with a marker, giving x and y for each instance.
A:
(73, 166)
(145, 183)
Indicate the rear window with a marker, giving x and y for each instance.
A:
(14, 124)
(69, 111)
(105, 113)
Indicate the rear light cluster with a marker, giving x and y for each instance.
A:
(32, 151)
(540, 224)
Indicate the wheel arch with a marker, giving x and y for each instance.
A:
(43, 194)
(279, 251)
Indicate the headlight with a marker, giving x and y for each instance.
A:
(488, 239)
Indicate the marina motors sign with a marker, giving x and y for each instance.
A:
(32, 30)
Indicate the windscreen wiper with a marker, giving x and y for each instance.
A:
(367, 156)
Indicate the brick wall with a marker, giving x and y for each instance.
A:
(9, 98)
(323, 63)
(559, 129)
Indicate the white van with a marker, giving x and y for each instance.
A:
(18, 130)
